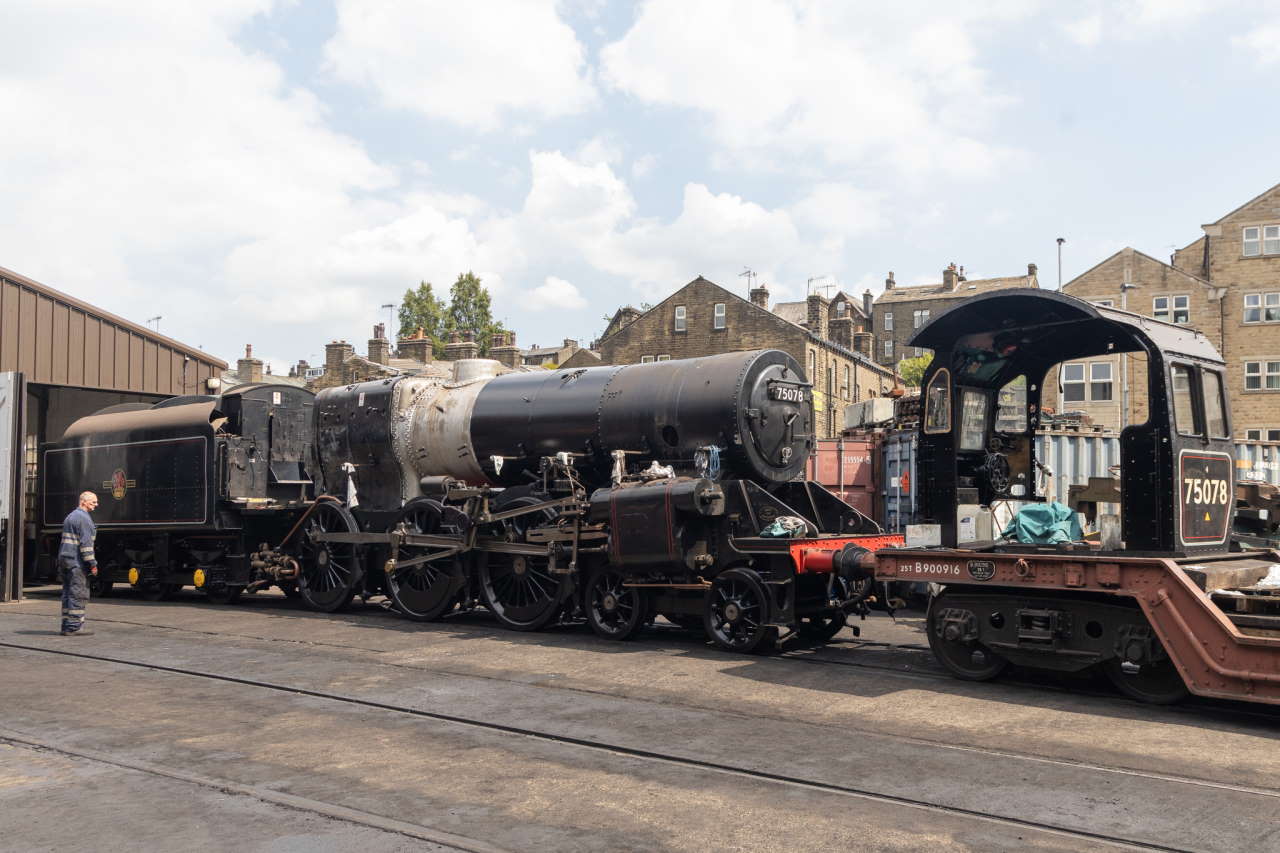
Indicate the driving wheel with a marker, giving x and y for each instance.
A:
(519, 588)
(329, 570)
(427, 590)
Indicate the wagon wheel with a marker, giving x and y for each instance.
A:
(519, 588)
(1156, 682)
(330, 570)
(614, 611)
(738, 610)
(424, 591)
(952, 630)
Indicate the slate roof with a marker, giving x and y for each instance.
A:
(793, 312)
(963, 290)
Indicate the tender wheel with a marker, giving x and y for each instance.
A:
(100, 585)
(424, 591)
(330, 570)
(821, 627)
(614, 611)
(1155, 680)
(953, 631)
(738, 611)
(223, 594)
(159, 591)
(519, 588)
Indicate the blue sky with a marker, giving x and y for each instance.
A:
(271, 172)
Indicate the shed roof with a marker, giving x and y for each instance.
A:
(57, 339)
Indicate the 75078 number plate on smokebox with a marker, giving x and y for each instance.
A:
(788, 394)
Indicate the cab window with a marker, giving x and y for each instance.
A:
(937, 403)
(1011, 406)
(973, 420)
(1184, 409)
(1215, 410)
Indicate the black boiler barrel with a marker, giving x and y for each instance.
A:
(755, 406)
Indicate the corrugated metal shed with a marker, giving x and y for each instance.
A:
(57, 339)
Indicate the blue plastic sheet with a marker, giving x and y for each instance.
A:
(1044, 524)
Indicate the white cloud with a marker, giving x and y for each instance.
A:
(467, 63)
(555, 293)
(1263, 43)
(1086, 31)
(841, 208)
(644, 165)
(855, 84)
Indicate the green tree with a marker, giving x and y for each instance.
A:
(912, 369)
(421, 308)
(469, 308)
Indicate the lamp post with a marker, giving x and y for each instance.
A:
(1061, 240)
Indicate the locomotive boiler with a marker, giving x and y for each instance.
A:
(616, 493)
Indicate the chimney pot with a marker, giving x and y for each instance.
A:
(1032, 269)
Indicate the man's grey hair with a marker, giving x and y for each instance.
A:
(84, 496)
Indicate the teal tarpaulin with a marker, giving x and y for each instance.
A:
(1044, 524)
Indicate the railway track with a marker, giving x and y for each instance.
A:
(803, 655)
(670, 758)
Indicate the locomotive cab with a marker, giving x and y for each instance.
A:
(983, 400)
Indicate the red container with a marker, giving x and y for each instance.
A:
(846, 466)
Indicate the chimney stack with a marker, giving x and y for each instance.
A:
(249, 369)
(379, 346)
(760, 296)
(462, 344)
(950, 277)
(1032, 269)
(335, 354)
(418, 347)
(889, 283)
(840, 329)
(503, 348)
(817, 314)
(867, 303)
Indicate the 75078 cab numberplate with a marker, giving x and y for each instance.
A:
(788, 394)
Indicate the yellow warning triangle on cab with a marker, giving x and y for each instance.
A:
(1206, 516)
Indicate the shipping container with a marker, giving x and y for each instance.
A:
(896, 487)
(846, 466)
(1258, 460)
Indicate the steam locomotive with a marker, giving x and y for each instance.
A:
(611, 494)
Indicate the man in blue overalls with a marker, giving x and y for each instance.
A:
(75, 558)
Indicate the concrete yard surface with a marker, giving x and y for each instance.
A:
(262, 726)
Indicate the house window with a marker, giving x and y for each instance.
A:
(1261, 240)
(1073, 383)
(1261, 307)
(888, 349)
(717, 316)
(846, 388)
(1176, 309)
(1262, 376)
(813, 365)
(1272, 435)
(919, 318)
(682, 318)
(666, 357)
(1100, 381)
(646, 359)
(888, 321)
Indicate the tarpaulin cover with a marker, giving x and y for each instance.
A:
(1044, 524)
